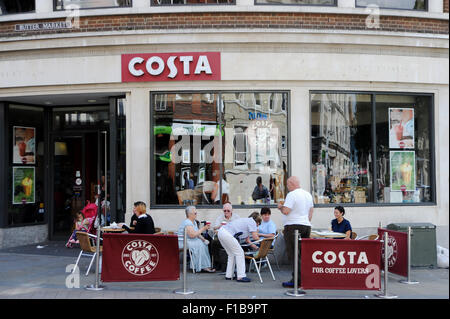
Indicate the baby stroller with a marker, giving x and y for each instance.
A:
(90, 215)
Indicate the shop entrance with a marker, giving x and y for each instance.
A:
(80, 162)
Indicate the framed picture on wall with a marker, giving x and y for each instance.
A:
(23, 178)
(24, 149)
(401, 128)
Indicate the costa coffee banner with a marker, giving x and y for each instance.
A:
(340, 264)
(180, 66)
(138, 257)
(397, 251)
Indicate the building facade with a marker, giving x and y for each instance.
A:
(189, 102)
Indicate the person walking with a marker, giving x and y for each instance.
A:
(298, 211)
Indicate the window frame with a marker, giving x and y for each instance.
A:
(25, 12)
(233, 3)
(219, 93)
(373, 95)
(91, 8)
(297, 5)
(388, 8)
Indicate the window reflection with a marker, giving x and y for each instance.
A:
(86, 4)
(399, 4)
(299, 2)
(341, 148)
(211, 148)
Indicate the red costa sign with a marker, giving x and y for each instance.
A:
(128, 257)
(180, 66)
(397, 251)
(340, 264)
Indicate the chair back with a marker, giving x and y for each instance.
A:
(353, 235)
(85, 243)
(373, 237)
(208, 187)
(264, 248)
(184, 196)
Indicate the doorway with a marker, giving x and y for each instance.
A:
(79, 163)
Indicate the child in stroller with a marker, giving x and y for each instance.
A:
(83, 222)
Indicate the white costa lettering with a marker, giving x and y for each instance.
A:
(156, 65)
(344, 257)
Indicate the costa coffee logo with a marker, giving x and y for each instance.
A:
(192, 66)
(392, 251)
(139, 257)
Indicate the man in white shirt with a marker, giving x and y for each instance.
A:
(297, 210)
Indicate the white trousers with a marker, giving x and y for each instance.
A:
(235, 254)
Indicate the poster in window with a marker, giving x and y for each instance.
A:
(186, 156)
(24, 149)
(185, 178)
(401, 128)
(23, 185)
(403, 170)
(201, 175)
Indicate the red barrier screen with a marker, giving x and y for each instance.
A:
(340, 264)
(138, 257)
(397, 251)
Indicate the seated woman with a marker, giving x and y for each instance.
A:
(195, 241)
(340, 224)
(144, 222)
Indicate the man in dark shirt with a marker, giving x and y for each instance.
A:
(260, 191)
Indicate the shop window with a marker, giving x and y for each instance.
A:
(389, 4)
(90, 4)
(350, 132)
(299, 2)
(189, 2)
(26, 165)
(404, 162)
(235, 139)
(16, 6)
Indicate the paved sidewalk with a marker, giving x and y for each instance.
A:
(29, 272)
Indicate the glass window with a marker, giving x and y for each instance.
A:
(341, 154)
(399, 4)
(403, 149)
(299, 2)
(26, 165)
(90, 4)
(343, 147)
(189, 2)
(210, 148)
(16, 6)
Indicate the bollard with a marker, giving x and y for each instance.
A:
(408, 280)
(97, 286)
(386, 271)
(296, 292)
(185, 290)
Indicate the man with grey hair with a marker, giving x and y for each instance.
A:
(297, 210)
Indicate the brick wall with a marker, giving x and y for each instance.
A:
(446, 6)
(237, 20)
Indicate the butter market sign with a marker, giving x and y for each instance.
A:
(43, 26)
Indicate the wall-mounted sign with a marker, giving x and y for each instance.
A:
(43, 26)
(179, 66)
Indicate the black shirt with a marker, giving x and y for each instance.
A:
(144, 225)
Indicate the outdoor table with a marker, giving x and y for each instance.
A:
(326, 234)
(112, 230)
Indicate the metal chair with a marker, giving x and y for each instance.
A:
(87, 249)
(272, 252)
(368, 237)
(260, 257)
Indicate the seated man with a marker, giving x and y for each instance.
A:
(216, 247)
